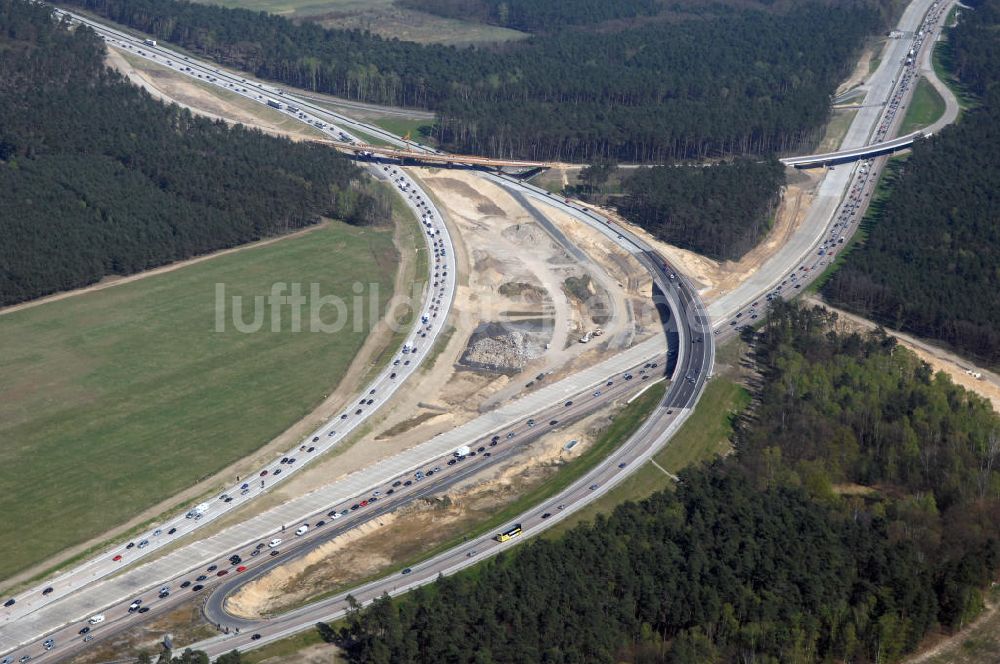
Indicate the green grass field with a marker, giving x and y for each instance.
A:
(925, 108)
(382, 17)
(419, 130)
(114, 400)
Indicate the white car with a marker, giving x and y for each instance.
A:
(273, 543)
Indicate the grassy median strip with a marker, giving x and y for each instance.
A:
(114, 400)
(705, 435)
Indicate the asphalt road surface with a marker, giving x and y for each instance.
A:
(694, 364)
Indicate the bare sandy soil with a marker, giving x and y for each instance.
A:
(395, 539)
(185, 624)
(170, 86)
(496, 243)
(940, 360)
(977, 643)
(716, 278)
(860, 73)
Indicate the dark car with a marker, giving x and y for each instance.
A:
(222, 572)
(201, 578)
(9, 602)
(255, 637)
(552, 423)
(84, 630)
(407, 570)
(311, 449)
(48, 590)
(171, 531)
(212, 568)
(143, 609)
(275, 552)
(185, 584)
(196, 588)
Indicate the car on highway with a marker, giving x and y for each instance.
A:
(222, 572)
(273, 543)
(196, 588)
(171, 531)
(302, 530)
(255, 637)
(48, 590)
(593, 486)
(406, 571)
(134, 606)
(568, 404)
(241, 568)
(211, 568)
(185, 584)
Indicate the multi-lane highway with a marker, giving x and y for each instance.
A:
(430, 316)
(695, 353)
(40, 613)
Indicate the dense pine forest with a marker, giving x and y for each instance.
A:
(727, 81)
(721, 211)
(97, 178)
(929, 264)
(860, 512)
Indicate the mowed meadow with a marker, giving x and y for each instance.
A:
(113, 401)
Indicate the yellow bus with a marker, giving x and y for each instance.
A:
(509, 533)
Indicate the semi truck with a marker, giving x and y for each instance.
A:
(463, 451)
(275, 104)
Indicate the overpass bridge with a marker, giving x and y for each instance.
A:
(854, 154)
(429, 157)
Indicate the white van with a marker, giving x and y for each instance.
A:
(303, 529)
(96, 620)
